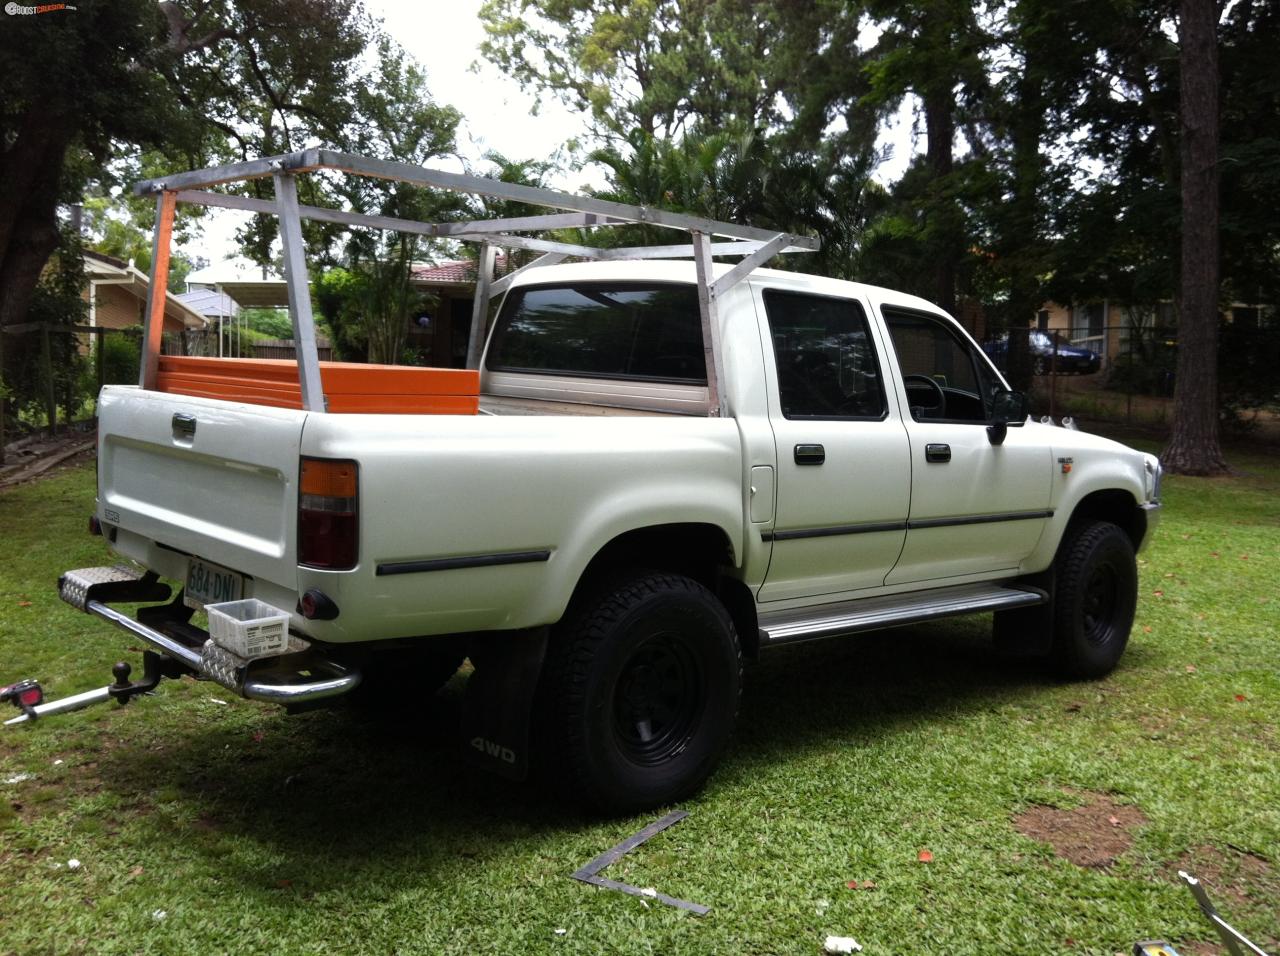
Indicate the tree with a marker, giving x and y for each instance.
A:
(933, 49)
(85, 85)
(654, 65)
(1193, 448)
(124, 238)
(46, 374)
(395, 119)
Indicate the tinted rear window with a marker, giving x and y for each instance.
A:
(602, 331)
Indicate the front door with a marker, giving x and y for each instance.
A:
(843, 468)
(977, 509)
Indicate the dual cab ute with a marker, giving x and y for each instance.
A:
(659, 468)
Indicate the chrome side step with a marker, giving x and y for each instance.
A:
(870, 614)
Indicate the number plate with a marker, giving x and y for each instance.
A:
(211, 584)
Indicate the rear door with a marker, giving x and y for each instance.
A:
(843, 468)
(214, 480)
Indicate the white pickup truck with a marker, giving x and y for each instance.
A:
(606, 552)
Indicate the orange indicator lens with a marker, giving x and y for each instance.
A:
(328, 479)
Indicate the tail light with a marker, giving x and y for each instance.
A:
(328, 518)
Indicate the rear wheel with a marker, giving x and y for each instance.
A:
(645, 676)
(1095, 600)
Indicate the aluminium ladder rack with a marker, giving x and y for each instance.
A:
(754, 246)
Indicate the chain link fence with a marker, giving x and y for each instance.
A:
(1127, 374)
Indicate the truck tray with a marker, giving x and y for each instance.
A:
(368, 389)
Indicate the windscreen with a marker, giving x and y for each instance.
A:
(596, 330)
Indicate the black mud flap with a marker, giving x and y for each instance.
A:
(497, 711)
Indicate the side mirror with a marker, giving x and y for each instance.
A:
(1007, 408)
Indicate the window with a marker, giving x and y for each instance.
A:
(1097, 319)
(826, 363)
(944, 377)
(602, 330)
(1088, 321)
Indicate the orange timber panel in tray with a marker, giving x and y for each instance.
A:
(369, 389)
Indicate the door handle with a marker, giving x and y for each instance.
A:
(184, 426)
(810, 454)
(937, 453)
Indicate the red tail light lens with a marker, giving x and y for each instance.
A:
(328, 516)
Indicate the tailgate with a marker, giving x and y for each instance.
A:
(210, 478)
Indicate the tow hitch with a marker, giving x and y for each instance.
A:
(28, 696)
(299, 678)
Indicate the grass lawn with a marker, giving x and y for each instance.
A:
(204, 823)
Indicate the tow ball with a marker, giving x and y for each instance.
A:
(28, 695)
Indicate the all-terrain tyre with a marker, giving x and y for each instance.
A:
(644, 677)
(1096, 595)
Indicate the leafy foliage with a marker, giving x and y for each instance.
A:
(660, 66)
(270, 323)
(56, 302)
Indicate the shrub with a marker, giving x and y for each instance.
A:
(121, 356)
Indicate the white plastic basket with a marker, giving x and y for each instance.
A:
(249, 628)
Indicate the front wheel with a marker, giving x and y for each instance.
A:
(1095, 600)
(646, 675)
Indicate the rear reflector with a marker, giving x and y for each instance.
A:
(328, 525)
(315, 605)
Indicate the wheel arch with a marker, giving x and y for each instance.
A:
(700, 551)
(1115, 505)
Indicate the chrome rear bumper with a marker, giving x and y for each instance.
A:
(300, 676)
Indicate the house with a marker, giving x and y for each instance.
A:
(1107, 328)
(216, 307)
(117, 297)
(439, 334)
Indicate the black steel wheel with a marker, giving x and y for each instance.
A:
(1096, 595)
(644, 677)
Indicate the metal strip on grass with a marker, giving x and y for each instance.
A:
(589, 873)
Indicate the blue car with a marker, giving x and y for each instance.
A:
(1071, 359)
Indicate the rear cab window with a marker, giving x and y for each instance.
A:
(628, 331)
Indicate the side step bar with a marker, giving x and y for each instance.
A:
(298, 677)
(870, 614)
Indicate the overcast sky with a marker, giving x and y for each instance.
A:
(496, 115)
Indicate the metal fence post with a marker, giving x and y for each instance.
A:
(295, 277)
(1055, 343)
(51, 394)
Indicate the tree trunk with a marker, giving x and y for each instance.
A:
(1194, 448)
(1023, 229)
(940, 129)
(28, 223)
